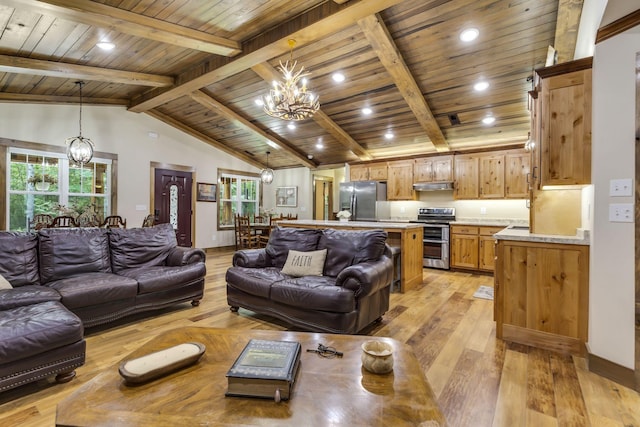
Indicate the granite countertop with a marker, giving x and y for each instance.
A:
(364, 224)
(582, 236)
(490, 222)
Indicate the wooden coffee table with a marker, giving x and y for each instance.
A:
(327, 391)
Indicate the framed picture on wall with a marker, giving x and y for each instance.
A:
(206, 192)
(287, 197)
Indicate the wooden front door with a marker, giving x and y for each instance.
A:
(173, 202)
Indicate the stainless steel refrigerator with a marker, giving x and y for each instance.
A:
(366, 200)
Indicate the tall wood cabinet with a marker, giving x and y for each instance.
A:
(562, 127)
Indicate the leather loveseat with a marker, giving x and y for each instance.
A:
(352, 292)
(64, 280)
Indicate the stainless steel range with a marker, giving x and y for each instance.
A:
(435, 237)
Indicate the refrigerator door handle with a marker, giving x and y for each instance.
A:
(354, 206)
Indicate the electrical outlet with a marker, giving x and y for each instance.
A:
(620, 188)
(141, 207)
(402, 209)
(213, 237)
(621, 212)
(483, 211)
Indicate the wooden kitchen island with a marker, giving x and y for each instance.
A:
(405, 235)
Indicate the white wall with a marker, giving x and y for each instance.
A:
(296, 177)
(115, 130)
(612, 288)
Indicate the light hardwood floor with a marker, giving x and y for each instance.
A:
(479, 380)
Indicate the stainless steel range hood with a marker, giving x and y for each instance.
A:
(433, 186)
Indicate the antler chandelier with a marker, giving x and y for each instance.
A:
(289, 99)
(79, 148)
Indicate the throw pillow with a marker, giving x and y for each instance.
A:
(305, 263)
(4, 283)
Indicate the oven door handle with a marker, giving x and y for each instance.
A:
(433, 241)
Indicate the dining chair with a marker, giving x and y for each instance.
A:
(263, 238)
(149, 221)
(63, 222)
(114, 221)
(292, 216)
(40, 221)
(246, 238)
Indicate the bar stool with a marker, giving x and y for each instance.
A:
(396, 257)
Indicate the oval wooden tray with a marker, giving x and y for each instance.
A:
(160, 363)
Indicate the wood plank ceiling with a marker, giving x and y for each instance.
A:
(200, 65)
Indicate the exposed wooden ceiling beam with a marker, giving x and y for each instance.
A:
(327, 18)
(20, 65)
(205, 138)
(384, 46)
(268, 73)
(121, 20)
(56, 99)
(214, 105)
(567, 24)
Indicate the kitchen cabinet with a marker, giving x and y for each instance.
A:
(491, 176)
(464, 247)
(358, 173)
(400, 180)
(433, 169)
(368, 172)
(466, 177)
(472, 247)
(517, 168)
(564, 135)
(378, 171)
(541, 294)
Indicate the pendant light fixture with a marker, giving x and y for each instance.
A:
(266, 174)
(79, 148)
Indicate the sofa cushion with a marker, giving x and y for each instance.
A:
(19, 258)
(254, 281)
(314, 293)
(349, 247)
(94, 288)
(305, 263)
(160, 278)
(281, 240)
(26, 295)
(34, 329)
(67, 252)
(141, 247)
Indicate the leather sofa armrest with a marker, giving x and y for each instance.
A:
(26, 295)
(368, 277)
(183, 256)
(251, 258)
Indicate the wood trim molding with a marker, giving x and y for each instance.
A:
(611, 371)
(565, 67)
(618, 26)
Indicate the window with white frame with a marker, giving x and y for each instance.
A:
(47, 183)
(237, 194)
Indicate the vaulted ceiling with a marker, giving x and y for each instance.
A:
(200, 65)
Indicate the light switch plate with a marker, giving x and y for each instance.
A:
(621, 212)
(620, 188)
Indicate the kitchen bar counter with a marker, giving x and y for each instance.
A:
(582, 237)
(405, 235)
(492, 222)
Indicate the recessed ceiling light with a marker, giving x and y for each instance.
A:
(259, 102)
(105, 45)
(488, 120)
(469, 35)
(366, 111)
(291, 126)
(388, 135)
(319, 146)
(480, 86)
(337, 77)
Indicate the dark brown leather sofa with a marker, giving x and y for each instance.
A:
(352, 293)
(67, 279)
